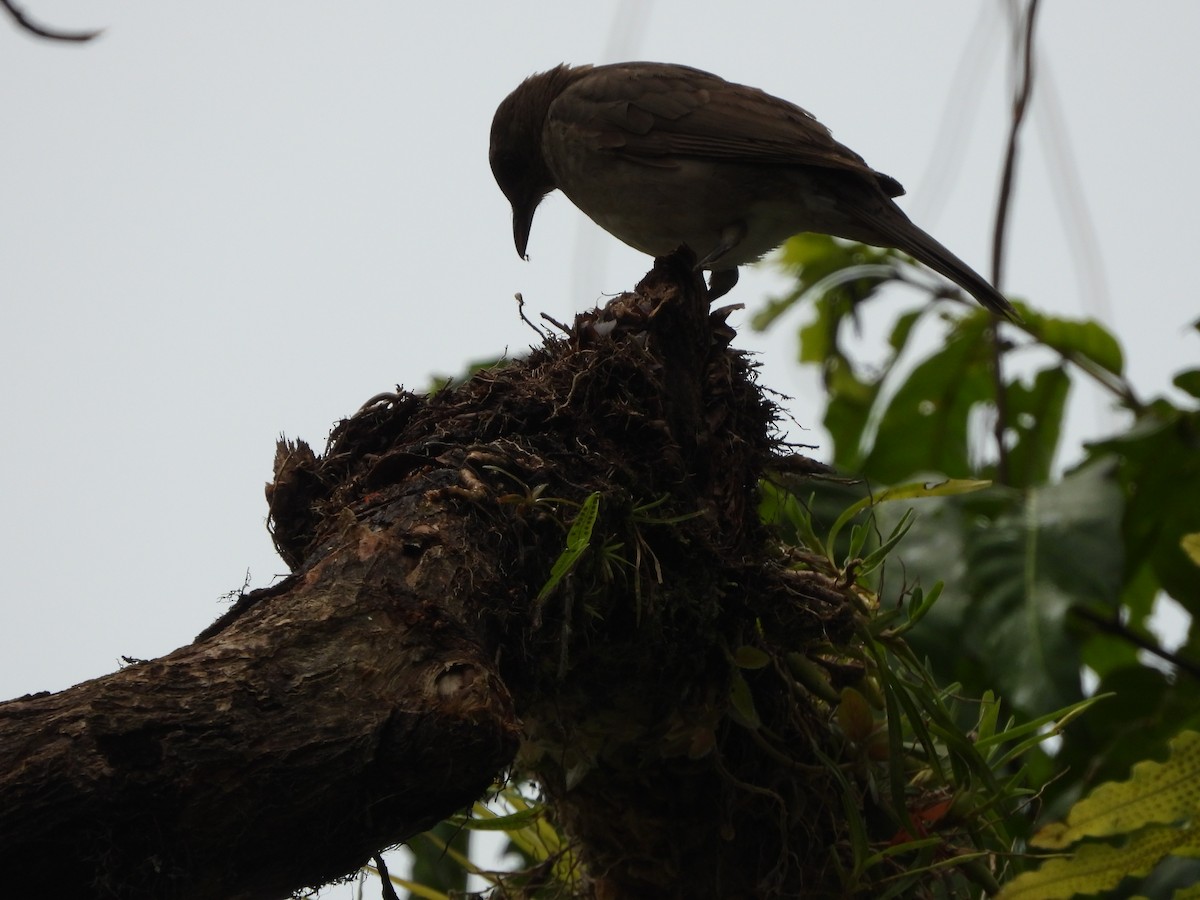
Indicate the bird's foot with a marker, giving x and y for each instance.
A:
(731, 236)
(721, 282)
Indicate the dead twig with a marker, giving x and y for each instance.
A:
(42, 31)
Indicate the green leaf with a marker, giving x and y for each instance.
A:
(439, 873)
(854, 716)
(781, 509)
(920, 604)
(1188, 381)
(1145, 709)
(852, 398)
(1190, 544)
(1013, 565)
(819, 337)
(1139, 593)
(989, 715)
(903, 329)
(519, 819)
(875, 558)
(826, 501)
(748, 657)
(819, 264)
(1159, 468)
(1155, 794)
(742, 701)
(580, 534)
(1059, 548)
(813, 676)
(1190, 892)
(530, 835)
(837, 276)
(848, 411)
(924, 428)
(915, 491)
(1034, 415)
(1036, 731)
(896, 698)
(578, 539)
(1104, 653)
(1086, 339)
(1100, 867)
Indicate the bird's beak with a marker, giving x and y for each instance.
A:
(522, 223)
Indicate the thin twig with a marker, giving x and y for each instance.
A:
(1007, 180)
(521, 312)
(1120, 630)
(1117, 385)
(42, 31)
(1008, 176)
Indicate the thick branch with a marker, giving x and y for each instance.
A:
(338, 714)
(391, 677)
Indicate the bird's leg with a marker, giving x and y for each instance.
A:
(731, 236)
(721, 282)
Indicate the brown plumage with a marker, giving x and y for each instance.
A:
(662, 155)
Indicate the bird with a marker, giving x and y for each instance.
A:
(663, 155)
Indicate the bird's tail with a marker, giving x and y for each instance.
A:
(902, 234)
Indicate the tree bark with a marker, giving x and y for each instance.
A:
(342, 711)
(420, 641)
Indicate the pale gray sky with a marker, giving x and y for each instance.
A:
(223, 221)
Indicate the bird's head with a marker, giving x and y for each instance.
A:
(516, 147)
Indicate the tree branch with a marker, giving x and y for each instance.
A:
(1118, 629)
(340, 713)
(1007, 180)
(389, 679)
(1008, 175)
(42, 31)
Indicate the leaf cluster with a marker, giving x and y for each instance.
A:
(1006, 580)
(1048, 579)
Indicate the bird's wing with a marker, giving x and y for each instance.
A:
(649, 112)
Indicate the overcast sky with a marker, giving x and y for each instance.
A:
(224, 221)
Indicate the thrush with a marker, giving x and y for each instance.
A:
(662, 155)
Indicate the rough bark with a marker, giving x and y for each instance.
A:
(339, 712)
(385, 683)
